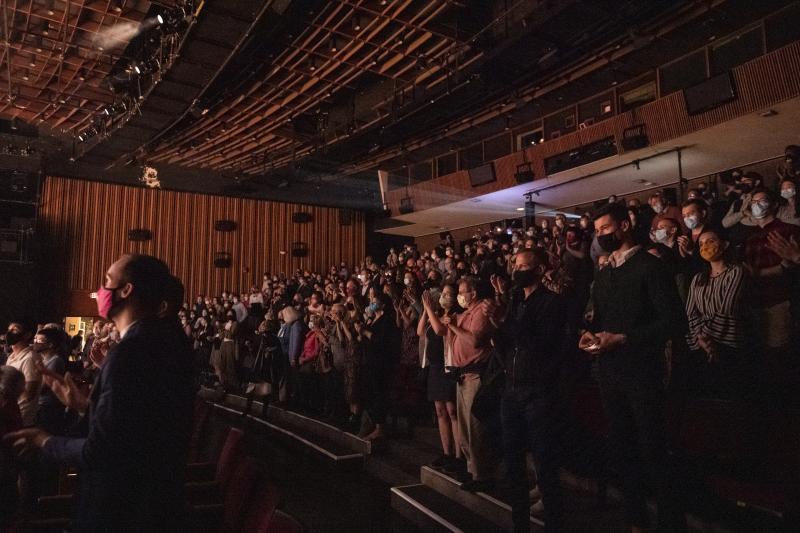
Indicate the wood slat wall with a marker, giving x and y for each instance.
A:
(762, 82)
(85, 226)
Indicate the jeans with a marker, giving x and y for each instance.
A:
(532, 422)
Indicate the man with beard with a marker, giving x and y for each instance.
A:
(530, 342)
(132, 462)
(636, 310)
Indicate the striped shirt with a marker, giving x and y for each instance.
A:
(715, 309)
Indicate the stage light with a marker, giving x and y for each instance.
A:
(159, 19)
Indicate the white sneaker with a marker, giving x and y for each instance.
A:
(535, 495)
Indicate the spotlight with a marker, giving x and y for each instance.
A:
(159, 19)
(334, 45)
(81, 137)
(356, 23)
(136, 69)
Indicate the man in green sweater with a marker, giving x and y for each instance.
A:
(636, 310)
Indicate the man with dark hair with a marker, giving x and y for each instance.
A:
(636, 310)
(531, 341)
(140, 414)
(23, 358)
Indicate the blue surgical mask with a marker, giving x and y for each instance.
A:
(788, 193)
(691, 222)
(373, 307)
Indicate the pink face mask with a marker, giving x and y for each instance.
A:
(105, 299)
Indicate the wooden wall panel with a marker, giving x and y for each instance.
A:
(762, 82)
(85, 227)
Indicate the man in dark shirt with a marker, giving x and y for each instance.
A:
(530, 342)
(636, 310)
(131, 464)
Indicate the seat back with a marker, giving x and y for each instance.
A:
(230, 456)
(237, 496)
(262, 507)
(202, 410)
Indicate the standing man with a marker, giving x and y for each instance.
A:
(531, 340)
(636, 310)
(132, 462)
(23, 358)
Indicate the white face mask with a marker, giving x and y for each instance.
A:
(660, 235)
(514, 238)
(463, 301)
(760, 209)
(691, 222)
(658, 208)
(788, 193)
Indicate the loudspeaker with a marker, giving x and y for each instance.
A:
(524, 173)
(709, 94)
(301, 217)
(406, 205)
(481, 175)
(225, 225)
(299, 249)
(139, 234)
(345, 217)
(634, 138)
(223, 260)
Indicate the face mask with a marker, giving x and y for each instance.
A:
(745, 188)
(711, 251)
(760, 209)
(787, 193)
(691, 222)
(372, 307)
(13, 338)
(39, 347)
(660, 235)
(658, 208)
(524, 278)
(406, 281)
(463, 301)
(446, 301)
(514, 238)
(529, 233)
(105, 302)
(609, 242)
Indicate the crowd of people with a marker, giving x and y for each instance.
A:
(648, 299)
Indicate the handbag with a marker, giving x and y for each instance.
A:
(486, 404)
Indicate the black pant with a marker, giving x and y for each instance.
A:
(635, 410)
(532, 423)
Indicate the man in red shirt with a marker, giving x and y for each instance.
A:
(771, 279)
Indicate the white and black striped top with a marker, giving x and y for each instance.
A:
(715, 309)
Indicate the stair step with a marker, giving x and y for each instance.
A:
(338, 456)
(486, 505)
(431, 511)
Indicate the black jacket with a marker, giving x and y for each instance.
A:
(131, 464)
(640, 299)
(531, 339)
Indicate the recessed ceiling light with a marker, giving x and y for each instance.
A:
(520, 209)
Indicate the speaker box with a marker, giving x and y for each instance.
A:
(225, 225)
(139, 234)
(634, 138)
(345, 217)
(299, 249)
(524, 173)
(302, 217)
(709, 94)
(223, 260)
(406, 205)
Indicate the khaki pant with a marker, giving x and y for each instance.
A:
(472, 434)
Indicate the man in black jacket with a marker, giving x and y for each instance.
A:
(131, 463)
(530, 341)
(636, 310)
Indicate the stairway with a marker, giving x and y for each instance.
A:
(439, 504)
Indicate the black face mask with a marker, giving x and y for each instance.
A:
(745, 188)
(13, 338)
(609, 242)
(525, 278)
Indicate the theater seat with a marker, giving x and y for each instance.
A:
(261, 509)
(209, 480)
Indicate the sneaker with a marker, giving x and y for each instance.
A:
(474, 485)
(441, 462)
(537, 508)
